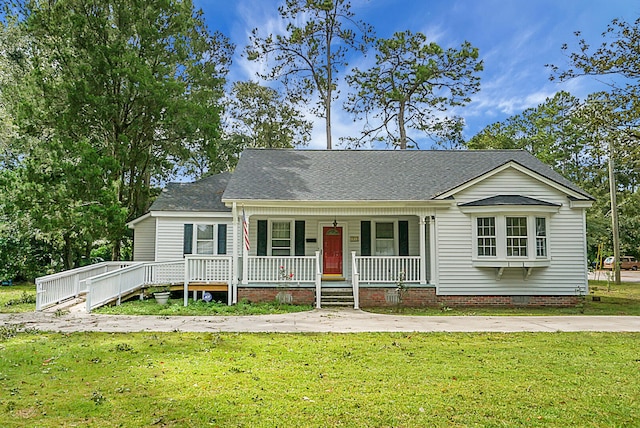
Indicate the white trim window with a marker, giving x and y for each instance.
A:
(205, 239)
(516, 236)
(541, 237)
(385, 239)
(281, 238)
(486, 240)
(505, 237)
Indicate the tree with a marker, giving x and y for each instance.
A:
(618, 60)
(309, 56)
(573, 136)
(411, 83)
(554, 132)
(116, 86)
(265, 119)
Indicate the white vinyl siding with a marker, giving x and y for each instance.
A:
(565, 238)
(170, 235)
(144, 240)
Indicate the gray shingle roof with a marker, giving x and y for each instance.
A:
(508, 200)
(202, 195)
(379, 175)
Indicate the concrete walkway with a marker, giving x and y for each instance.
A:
(323, 320)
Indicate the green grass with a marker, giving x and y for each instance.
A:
(176, 307)
(319, 380)
(621, 299)
(18, 298)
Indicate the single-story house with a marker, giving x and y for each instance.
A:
(495, 227)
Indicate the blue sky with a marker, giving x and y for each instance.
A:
(516, 39)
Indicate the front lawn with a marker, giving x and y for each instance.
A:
(176, 307)
(20, 297)
(621, 299)
(318, 380)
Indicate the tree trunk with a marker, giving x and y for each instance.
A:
(327, 100)
(401, 128)
(115, 250)
(328, 120)
(67, 253)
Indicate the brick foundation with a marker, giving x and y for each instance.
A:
(414, 297)
(299, 296)
(417, 297)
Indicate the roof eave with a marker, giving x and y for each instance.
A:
(518, 166)
(335, 203)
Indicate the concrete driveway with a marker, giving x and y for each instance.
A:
(625, 275)
(322, 321)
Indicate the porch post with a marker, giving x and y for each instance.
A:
(234, 251)
(356, 281)
(432, 253)
(318, 281)
(423, 258)
(186, 280)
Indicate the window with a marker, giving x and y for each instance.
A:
(541, 237)
(384, 239)
(503, 237)
(208, 239)
(516, 236)
(486, 236)
(205, 239)
(281, 238)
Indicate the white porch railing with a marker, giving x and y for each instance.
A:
(104, 282)
(168, 272)
(209, 269)
(52, 289)
(268, 269)
(387, 269)
(108, 286)
(107, 281)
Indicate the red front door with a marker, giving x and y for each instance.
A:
(332, 250)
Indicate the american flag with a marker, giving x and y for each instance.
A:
(245, 230)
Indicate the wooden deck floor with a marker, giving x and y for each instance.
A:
(201, 286)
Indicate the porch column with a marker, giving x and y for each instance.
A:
(423, 256)
(235, 271)
(433, 279)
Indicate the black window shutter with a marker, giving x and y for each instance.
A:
(403, 238)
(188, 239)
(222, 239)
(365, 238)
(299, 250)
(262, 238)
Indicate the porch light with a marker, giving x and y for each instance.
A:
(334, 230)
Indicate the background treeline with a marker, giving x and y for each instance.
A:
(103, 102)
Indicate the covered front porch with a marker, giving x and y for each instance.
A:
(363, 246)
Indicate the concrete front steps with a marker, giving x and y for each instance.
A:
(337, 297)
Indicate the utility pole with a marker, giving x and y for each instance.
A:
(614, 211)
